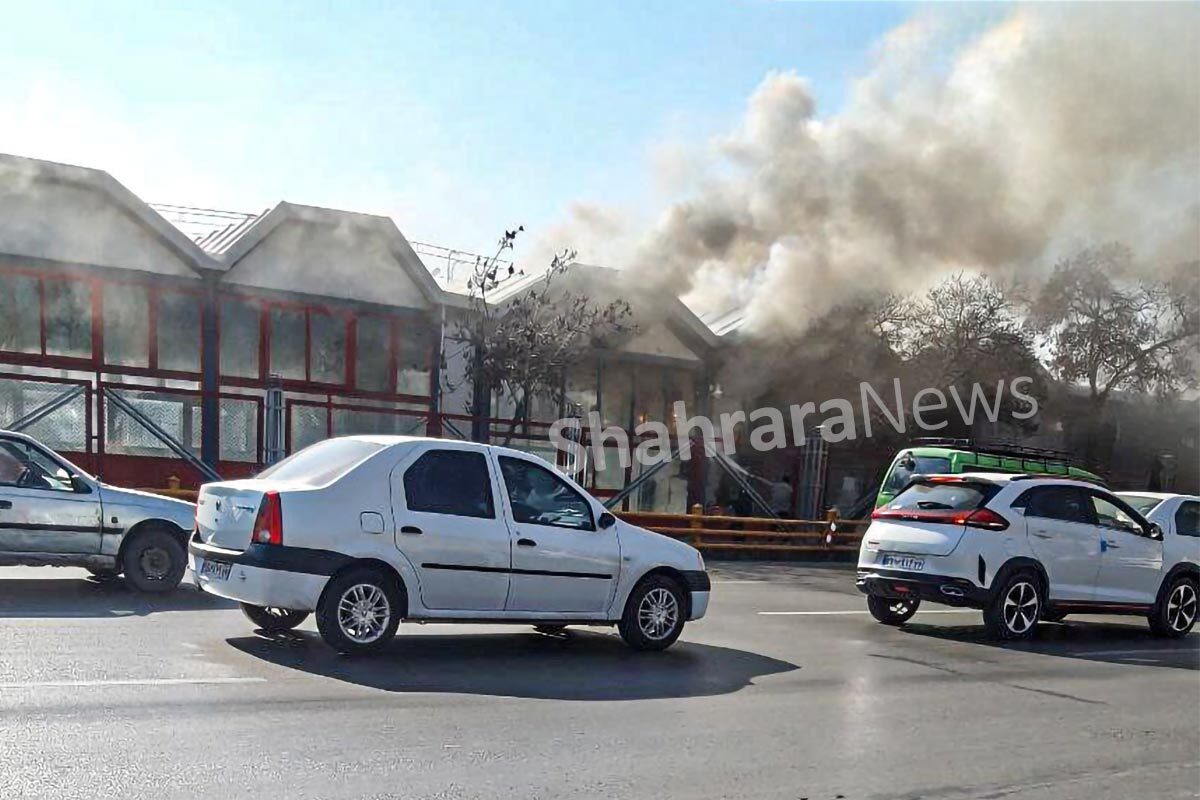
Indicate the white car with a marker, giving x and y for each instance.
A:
(52, 513)
(1024, 549)
(368, 530)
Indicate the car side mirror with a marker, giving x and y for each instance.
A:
(606, 521)
(79, 485)
(1156, 532)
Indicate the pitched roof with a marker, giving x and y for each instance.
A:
(128, 202)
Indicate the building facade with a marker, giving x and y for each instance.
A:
(123, 341)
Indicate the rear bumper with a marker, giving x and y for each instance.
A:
(266, 575)
(943, 589)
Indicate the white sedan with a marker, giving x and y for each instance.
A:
(368, 530)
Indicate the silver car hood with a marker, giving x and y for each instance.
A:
(180, 512)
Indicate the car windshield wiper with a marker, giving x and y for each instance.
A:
(931, 505)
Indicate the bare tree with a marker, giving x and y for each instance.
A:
(967, 330)
(522, 344)
(1108, 331)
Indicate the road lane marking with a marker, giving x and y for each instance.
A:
(859, 611)
(1189, 651)
(130, 682)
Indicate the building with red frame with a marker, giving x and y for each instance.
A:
(100, 295)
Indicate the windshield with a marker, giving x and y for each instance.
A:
(1143, 504)
(903, 470)
(323, 462)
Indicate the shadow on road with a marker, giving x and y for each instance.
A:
(579, 666)
(1115, 643)
(91, 597)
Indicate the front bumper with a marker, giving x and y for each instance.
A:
(699, 588)
(942, 589)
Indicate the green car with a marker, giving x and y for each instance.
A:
(949, 456)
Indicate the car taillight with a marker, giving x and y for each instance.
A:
(987, 519)
(976, 518)
(268, 526)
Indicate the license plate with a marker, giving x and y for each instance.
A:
(903, 562)
(218, 570)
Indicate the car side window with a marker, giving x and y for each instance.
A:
(1065, 503)
(26, 467)
(1187, 519)
(1111, 516)
(539, 497)
(453, 482)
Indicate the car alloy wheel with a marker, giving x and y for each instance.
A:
(657, 613)
(1181, 607)
(363, 613)
(1020, 607)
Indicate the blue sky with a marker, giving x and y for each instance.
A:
(455, 118)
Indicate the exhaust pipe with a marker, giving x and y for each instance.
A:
(952, 591)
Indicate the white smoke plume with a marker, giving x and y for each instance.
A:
(1057, 127)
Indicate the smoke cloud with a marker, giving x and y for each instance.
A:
(1051, 129)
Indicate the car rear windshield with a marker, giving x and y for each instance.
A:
(944, 496)
(1141, 503)
(323, 462)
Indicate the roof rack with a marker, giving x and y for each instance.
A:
(995, 448)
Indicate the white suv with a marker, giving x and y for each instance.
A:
(369, 530)
(1025, 549)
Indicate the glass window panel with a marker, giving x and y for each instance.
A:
(20, 314)
(348, 422)
(454, 482)
(648, 395)
(239, 333)
(126, 325)
(582, 389)
(63, 429)
(612, 474)
(308, 425)
(179, 331)
(287, 343)
(371, 353)
(328, 349)
(412, 359)
(177, 415)
(544, 407)
(68, 318)
(616, 394)
(239, 430)
(539, 497)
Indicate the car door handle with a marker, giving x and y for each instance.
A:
(1111, 546)
(5, 503)
(526, 543)
(1042, 535)
(411, 529)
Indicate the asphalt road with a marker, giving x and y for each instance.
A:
(106, 693)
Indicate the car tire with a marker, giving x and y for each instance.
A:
(654, 614)
(892, 610)
(153, 561)
(1015, 609)
(1174, 612)
(273, 620)
(359, 611)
